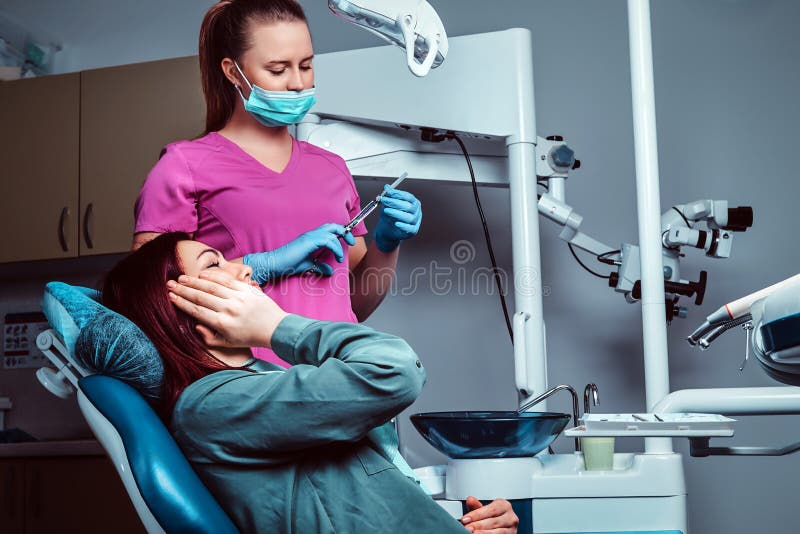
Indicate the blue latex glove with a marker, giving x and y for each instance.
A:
(401, 215)
(301, 255)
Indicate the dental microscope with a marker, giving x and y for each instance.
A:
(707, 225)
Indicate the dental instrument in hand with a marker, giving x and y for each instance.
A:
(366, 210)
(372, 204)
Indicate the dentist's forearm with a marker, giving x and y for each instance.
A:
(372, 280)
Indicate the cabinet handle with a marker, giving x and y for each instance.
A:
(88, 225)
(62, 237)
(35, 494)
(11, 492)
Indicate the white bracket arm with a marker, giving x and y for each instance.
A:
(732, 401)
(377, 151)
(62, 381)
(565, 215)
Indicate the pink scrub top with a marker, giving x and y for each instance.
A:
(211, 188)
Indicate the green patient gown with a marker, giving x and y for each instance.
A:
(288, 451)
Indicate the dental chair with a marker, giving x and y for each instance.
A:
(167, 494)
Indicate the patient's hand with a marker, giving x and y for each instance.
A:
(497, 517)
(233, 313)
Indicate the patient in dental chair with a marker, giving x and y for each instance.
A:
(302, 449)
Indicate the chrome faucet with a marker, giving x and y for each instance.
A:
(590, 389)
(550, 392)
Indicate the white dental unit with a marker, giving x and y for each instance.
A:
(493, 112)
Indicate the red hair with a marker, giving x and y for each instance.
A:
(225, 32)
(136, 288)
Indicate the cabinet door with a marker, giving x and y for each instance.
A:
(39, 167)
(12, 492)
(128, 114)
(77, 494)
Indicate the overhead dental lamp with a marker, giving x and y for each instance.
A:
(410, 24)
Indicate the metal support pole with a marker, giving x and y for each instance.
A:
(527, 265)
(648, 204)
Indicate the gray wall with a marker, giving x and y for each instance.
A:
(34, 410)
(726, 81)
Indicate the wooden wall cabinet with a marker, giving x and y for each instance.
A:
(64, 494)
(76, 148)
(12, 493)
(39, 133)
(128, 114)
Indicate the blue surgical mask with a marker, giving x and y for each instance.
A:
(276, 108)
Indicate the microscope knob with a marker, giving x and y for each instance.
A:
(563, 156)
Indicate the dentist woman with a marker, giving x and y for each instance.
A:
(256, 194)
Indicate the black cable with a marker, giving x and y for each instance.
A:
(602, 257)
(682, 216)
(486, 235)
(598, 275)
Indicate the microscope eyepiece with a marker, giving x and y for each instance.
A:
(739, 219)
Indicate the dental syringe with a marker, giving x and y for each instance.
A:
(371, 205)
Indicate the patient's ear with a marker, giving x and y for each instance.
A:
(195, 331)
(212, 338)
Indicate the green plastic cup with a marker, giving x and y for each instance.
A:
(598, 453)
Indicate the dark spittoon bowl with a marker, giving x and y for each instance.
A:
(469, 435)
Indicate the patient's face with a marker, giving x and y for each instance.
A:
(196, 257)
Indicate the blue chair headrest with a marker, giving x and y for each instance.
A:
(171, 489)
(103, 341)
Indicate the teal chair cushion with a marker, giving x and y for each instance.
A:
(171, 489)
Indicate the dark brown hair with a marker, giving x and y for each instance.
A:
(136, 288)
(224, 33)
